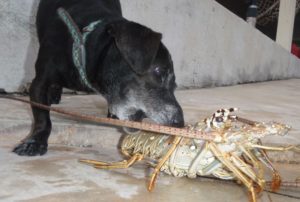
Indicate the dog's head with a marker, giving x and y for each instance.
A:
(138, 78)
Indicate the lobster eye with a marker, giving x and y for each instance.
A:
(219, 119)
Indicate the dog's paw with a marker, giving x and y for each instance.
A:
(31, 148)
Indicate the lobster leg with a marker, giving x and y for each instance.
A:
(175, 142)
(276, 181)
(287, 148)
(247, 170)
(113, 165)
(239, 175)
(255, 162)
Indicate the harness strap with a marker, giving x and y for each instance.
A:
(78, 49)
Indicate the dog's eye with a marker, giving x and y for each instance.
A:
(159, 74)
(157, 71)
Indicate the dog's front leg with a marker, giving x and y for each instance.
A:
(36, 142)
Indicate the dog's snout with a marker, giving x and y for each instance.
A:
(112, 116)
(178, 121)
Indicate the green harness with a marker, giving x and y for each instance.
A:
(78, 49)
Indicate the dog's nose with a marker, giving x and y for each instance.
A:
(112, 116)
(178, 121)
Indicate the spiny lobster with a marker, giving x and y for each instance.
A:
(237, 153)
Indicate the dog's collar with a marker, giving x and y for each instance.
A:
(78, 49)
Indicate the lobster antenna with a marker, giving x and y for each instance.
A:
(183, 132)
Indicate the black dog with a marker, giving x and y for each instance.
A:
(125, 61)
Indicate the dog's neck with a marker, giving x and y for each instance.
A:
(97, 44)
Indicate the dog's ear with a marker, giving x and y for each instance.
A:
(137, 44)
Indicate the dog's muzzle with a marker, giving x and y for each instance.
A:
(177, 120)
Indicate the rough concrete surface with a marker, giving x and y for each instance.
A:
(58, 176)
(210, 46)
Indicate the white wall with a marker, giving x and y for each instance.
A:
(209, 45)
(18, 43)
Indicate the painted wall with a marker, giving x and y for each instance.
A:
(210, 46)
(18, 43)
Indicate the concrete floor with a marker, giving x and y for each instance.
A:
(58, 176)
